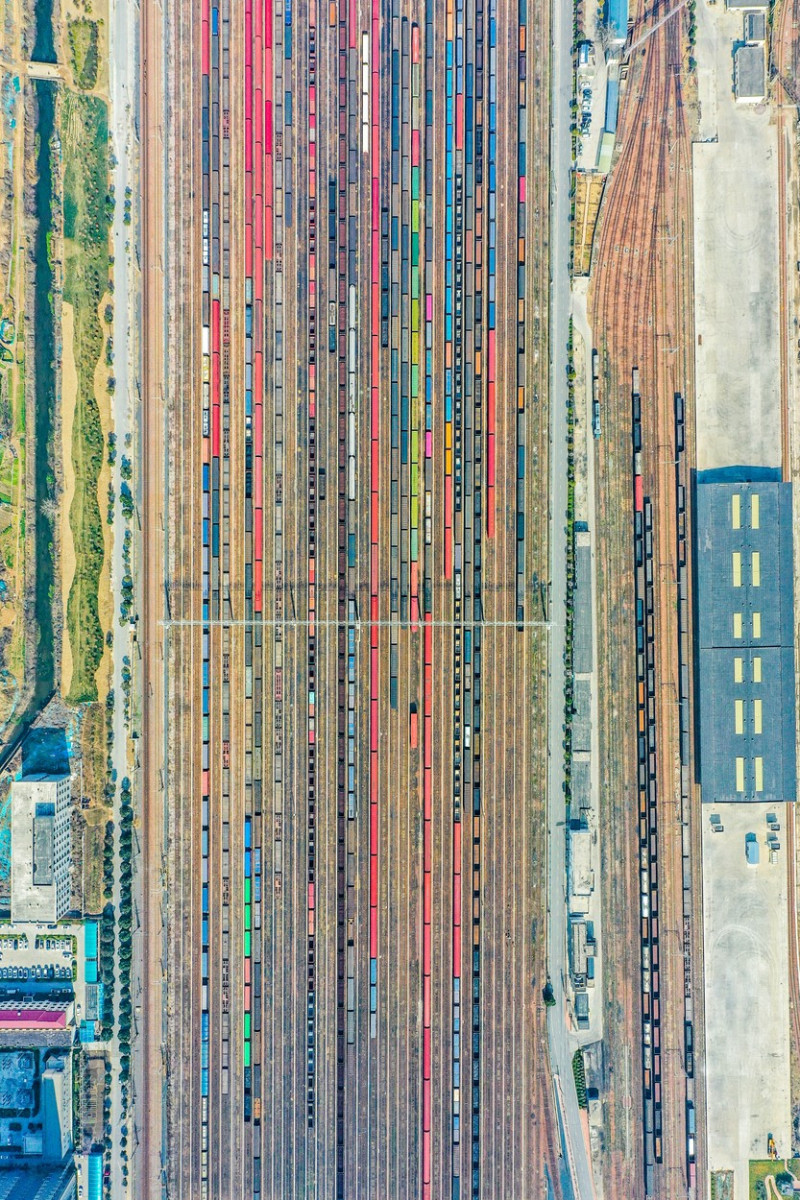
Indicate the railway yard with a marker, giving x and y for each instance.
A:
(353, 513)
(427, 795)
(641, 313)
(349, 545)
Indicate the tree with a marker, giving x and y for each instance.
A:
(607, 34)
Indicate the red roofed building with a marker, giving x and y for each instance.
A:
(39, 1014)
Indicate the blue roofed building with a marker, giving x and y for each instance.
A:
(745, 641)
(612, 104)
(615, 15)
(95, 1177)
(38, 1183)
(90, 939)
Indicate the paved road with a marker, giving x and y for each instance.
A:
(562, 1042)
(123, 87)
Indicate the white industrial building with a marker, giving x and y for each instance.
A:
(581, 872)
(40, 848)
(56, 1104)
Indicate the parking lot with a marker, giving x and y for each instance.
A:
(592, 78)
(37, 960)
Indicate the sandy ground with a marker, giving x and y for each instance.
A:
(69, 396)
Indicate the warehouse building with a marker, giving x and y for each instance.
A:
(581, 872)
(582, 648)
(755, 27)
(745, 605)
(40, 848)
(750, 74)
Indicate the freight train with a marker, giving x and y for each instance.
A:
(684, 670)
(345, 351)
(647, 790)
(648, 807)
(400, 329)
(214, 131)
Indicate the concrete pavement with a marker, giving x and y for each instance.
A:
(561, 1040)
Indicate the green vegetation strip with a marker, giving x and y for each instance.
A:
(83, 44)
(88, 208)
(77, 1072)
(579, 1074)
(107, 970)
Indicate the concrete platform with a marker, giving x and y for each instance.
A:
(736, 262)
(745, 919)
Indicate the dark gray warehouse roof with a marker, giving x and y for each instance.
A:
(745, 641)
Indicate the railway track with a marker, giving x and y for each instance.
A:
(181, 966)
(348, 628)
(636, 265)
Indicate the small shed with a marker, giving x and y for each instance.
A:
(751, 851)
(585, 54)
(582, 1010)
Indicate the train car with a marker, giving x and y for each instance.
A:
(638, 496)
(649, 1179)
(679, 423)
(688, 1037)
